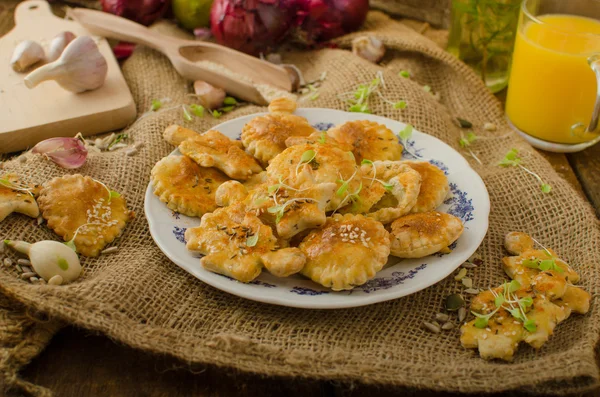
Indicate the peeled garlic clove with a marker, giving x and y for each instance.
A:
(369, 48)
(68, 153)
(81, 67)
(58, 44)
(26, 54)
(210, 97)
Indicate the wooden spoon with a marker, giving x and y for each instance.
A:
(185, 55)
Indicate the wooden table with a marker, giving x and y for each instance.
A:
(80, 363)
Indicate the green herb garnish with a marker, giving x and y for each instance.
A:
(156, 104)
(512, 159)
(186, 115)
(118, 139)
(404, 73)
(252, 240)
(229, 101)
(216, 114)
(198, 110)
(464, 123)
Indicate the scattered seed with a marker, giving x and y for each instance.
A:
(462, 314)
(24, 262)
(34, 279)
(42, 281)
(472, 291)
(27, 269)
(454, 302)
(109, 250)
(473, 257)
(2, 247)
(8, 262)
(26, 276)
(468, 265)
(489, 126)
(40, 220)
(56, 280)
(19, 268)
(22, 159)
(467, 282)
(464, 123)
(138, 145)
(461, 274)
(131, 152)
(432, 327)
(448, 325)
(443, 317)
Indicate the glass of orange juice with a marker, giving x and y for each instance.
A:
(553, 95)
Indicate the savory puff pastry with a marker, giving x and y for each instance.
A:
(434, 186)
(14, 198)
(237, 244)
(346, 252)
(552, 299)
(185, 186)
(423, 234)
(404, 187)
(368, 139)
(213, 149)
(77, 204)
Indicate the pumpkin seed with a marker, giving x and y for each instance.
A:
(467, 282)
(464, 123)
(454, 302)
(19, 268)
(24, 262)
(443, 317)
(109, 250)
(8, 262)
(468, 265)
(462, 314)
(25, 276)
(34, 279)
(448, 325)
(40, 220)
(432, 327)
(489, 126)
(56, 280)
(472, 291)
(461, 274)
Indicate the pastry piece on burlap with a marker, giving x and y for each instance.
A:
(137, 296)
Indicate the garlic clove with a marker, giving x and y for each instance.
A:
(58, 44)
(211, 97)
(81, 67)
(369, 48)
(69, 153)
(26, 54)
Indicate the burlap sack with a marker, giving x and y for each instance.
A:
(139, 297)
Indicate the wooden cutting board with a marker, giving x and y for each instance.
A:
(28, 116)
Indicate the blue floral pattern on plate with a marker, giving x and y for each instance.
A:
(396, 278)
(307, 291)
(460, 205)
(179, 233)
(323, 126)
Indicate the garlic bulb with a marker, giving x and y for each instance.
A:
(26, 54)
(369, 48)
(210, 97)
(58, 44)
(81, 67)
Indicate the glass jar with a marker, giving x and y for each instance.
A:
(482, 34)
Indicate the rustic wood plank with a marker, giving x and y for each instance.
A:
(586, 165)
(79, 363)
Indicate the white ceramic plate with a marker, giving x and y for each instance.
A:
(468, 199)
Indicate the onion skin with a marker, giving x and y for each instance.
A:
(322, 20)
(141, 11)
(252, 26)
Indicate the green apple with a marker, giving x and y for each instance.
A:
(192, 14)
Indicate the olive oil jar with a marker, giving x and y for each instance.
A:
(482, 34)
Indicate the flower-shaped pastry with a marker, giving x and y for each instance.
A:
(368, 139)
(15, 197)
(434, 186)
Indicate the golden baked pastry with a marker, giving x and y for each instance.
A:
(234, 243)
(402, 184)
(175, 134)
(346, 252)
(529, 307)
(434, 186)
(81, 207)
(423, 234)
(15, 197)
(284, 262)
(185, 186)
(264, 136)
(229, 193)
(213, 149)
(368, 139)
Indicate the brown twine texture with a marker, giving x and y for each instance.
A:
(137, 296)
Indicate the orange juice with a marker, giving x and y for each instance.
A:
(552, 87)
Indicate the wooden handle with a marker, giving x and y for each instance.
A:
(108, 25)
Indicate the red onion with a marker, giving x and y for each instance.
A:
(141, 11)
(123, 50)
(66, 152)
(251, 26)
(322, 20)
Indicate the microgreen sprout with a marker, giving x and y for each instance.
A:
(323, 137)
(118, 139)
(186, 114)
(227, 109)
(466, 140)
(229, 101)
(404, 73)
(156, 104)
(405, 134)
(252, 240)
(198, 110)
(306, 158)
(512, 159)
(281, 184)
(71, 243)
(342, 189)
(509, 301)
(396, 105)
(279, 209)
(354, 197)
(386, 185)
(358, 100)
(542, 264)
(111, 193)
(426, 88)
(216, 114)
(14, 186)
